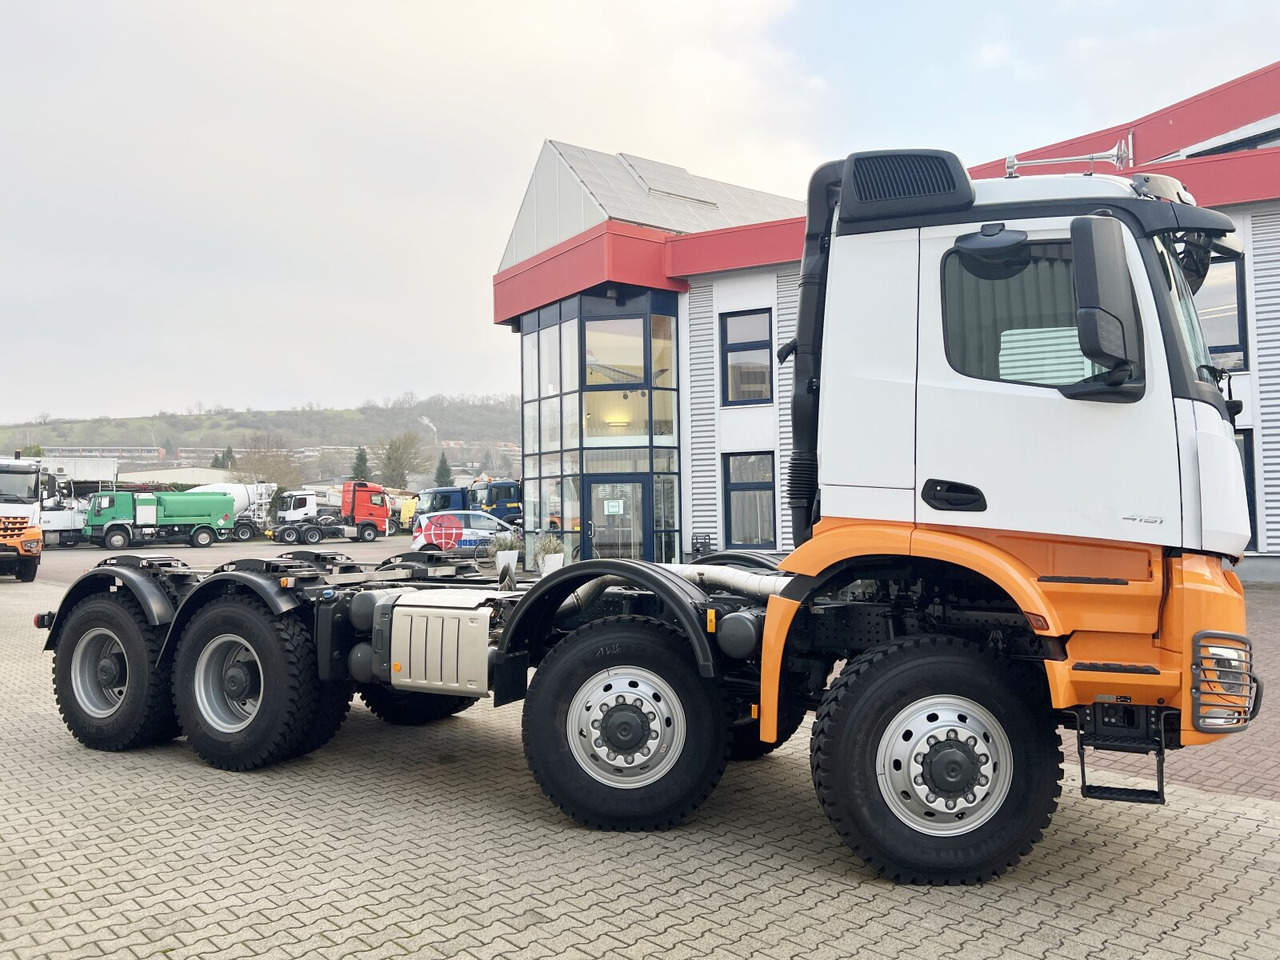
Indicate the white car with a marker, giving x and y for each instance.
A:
(456, 532)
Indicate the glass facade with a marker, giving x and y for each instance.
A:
(601, 464)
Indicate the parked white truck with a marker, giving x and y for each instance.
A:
(1026, 527)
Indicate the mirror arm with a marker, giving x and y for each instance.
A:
(1102, 391)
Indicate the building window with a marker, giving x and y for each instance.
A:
(615, 351)
(749, 514)
(1220, 303)
(746, 357)
(1014, 321)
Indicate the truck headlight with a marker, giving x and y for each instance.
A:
(1231, 666)
(32, 546)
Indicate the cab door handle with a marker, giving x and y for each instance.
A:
(950, 495)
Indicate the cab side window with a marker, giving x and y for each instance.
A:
(1014, 319)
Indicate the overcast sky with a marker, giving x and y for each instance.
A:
(267, 204)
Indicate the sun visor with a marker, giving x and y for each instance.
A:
(883, 184)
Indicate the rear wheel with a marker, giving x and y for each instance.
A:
(392, 528)
(110, 692)
(936, 760)
(312, 535)
(620, 731)
(245, 684)
(117, 539)
(289, 535)
(27, 570)
(405, 708)
(333, 702)
(243, 532)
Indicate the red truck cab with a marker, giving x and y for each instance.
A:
(365, 502)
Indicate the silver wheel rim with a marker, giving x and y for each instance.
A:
(99, 673)
(605, 717)
(222, 710)
(934, 738)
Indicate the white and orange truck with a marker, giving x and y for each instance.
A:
(21, 536)
(1016, 496)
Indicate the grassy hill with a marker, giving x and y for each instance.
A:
(472, 420)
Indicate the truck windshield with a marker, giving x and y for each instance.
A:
(1184, 311)
(19, 486)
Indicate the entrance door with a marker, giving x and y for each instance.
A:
(617, 524)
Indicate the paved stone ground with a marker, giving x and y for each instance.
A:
(436, 842)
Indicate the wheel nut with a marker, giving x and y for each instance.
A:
(951, 804)
(929, 798)
(919, 780)
(595, 724)
(653, 734)
(983, 781)
(630, 758)
(651, 715)
(612, 756)
(951, 734)
(983, 758)
(599, 742)
(931, 741)
(970, 798)
(644, 751)
(971, 741)
(619, 699)
(638, 702)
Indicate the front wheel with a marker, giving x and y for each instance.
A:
(27, 570)
(116, 540)
(936, 760)
(620, 730)
(202, 537)
(368, 533)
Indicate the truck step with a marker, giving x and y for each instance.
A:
(1095, 791)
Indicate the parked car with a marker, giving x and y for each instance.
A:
(457, 532)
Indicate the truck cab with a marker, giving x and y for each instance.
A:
(500, 497)
(21, 538)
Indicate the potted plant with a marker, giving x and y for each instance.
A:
(506, 548)
(548, 553)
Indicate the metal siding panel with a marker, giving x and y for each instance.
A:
(703, 475)
(1265, 270)
(788, 303)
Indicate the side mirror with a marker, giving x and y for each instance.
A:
(1105, 308)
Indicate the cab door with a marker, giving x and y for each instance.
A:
(998, 446)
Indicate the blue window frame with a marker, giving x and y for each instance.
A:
(746, 357)
(749, 516)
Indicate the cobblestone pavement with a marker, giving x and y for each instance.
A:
(435, 842)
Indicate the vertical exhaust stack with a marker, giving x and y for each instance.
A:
(802, 470)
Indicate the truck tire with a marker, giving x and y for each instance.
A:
(27, 570)
(620, 731)
(368, 533)
(245, 684)
(312, 535)
(392, 528)
(110, 692)
(405, 708)
(117, 539)
(243, 532)
(203, 537)
(288, 535)
(936, 761)
(333, 702)
(746, 743)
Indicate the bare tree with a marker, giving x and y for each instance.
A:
(266, 458)
(400, 456)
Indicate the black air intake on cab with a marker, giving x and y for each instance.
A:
(885, 184)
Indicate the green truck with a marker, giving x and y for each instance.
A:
(118, 520)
